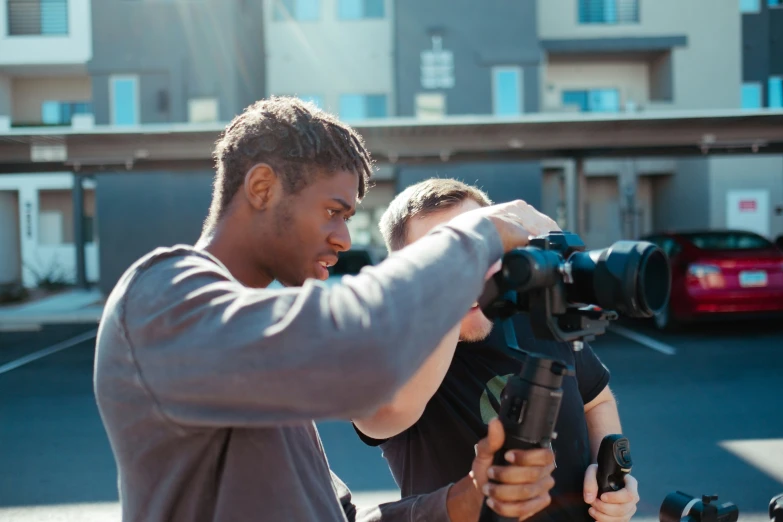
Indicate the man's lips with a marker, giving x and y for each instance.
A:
(327, 261)
(323, 265)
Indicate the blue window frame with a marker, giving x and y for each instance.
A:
(124, 99)
(593, 100)
(608, 11)
(54, 17)
(775, 92)
(300, 10)
(360, 9)
(750, 6)
(507, 91)
(363, 106)
(61, 113)
(751, 96)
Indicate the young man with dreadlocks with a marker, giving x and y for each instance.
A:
(208, 382)
(427, 433)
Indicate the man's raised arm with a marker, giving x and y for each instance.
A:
(212, 352)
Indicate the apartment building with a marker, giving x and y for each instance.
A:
(744, 190)
(45, 47)
(610, 56)
(762, 63)
(470, 58)
(166, 62)
(339, 55)
(130, 62)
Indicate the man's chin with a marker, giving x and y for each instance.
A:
(475, 329)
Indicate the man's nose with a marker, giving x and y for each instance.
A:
(341, 238)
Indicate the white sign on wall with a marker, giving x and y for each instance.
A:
(748, 210)
(437, 66)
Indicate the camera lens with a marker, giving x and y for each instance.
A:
(630, 277)
(675, 506)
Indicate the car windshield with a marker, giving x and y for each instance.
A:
(729, 241)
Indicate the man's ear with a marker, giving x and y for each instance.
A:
(261, 185)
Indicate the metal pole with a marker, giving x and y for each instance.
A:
(581, 191)
(78, 231)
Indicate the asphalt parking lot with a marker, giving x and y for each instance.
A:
(702, 410)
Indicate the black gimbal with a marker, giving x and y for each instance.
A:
(571, 295)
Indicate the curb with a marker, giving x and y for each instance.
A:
(32, 322)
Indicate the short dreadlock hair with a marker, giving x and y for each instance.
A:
(423, 199)
(295, 138)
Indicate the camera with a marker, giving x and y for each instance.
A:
(679, 506)
(571, 293)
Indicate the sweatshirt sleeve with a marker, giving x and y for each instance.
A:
(431, 507)
(212, 352)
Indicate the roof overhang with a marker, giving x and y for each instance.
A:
(407, 140)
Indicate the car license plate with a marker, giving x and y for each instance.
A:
(751, 279)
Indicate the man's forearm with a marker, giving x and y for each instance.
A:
(459, 502)
(602, 419)
(464, 501)
(409, 403)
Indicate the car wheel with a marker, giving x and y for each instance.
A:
(664, 320)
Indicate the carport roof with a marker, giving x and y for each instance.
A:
(407, 140)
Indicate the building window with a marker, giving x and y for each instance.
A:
(775, 3)
(203, 110)
(299, 10)
(751, 96)
(775, 92)
(362, 106)
(61, 113)
(750, 6)
(608, 11)
(124, 100)
(430, 105)
(594, 100)
(37, 17)
(506, 91)
(359, 9)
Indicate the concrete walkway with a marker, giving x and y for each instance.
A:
(71, 306)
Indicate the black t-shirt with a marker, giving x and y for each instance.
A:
(439, 448)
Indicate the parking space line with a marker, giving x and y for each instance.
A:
(48, 351)
(644, 340)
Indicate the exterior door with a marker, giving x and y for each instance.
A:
(602, 209)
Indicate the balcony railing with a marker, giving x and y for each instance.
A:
(37, 17)
(608, 11)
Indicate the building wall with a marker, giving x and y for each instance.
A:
(630, 77)
(74, 48)
(189, 50)
(28, 94)
(328, 57)
(40, 258)
(480, 35)
(706, 74)
(502, 181)
(762, 47)
(683, 201)
(167, 208)
(10, 255)
(776, 43)
(746, 173)
(6, 87)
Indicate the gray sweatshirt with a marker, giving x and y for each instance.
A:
(209, 390)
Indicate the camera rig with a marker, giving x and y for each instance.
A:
(572, 294)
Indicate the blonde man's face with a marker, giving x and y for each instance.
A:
(475, 326)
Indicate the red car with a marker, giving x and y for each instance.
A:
(717, 274)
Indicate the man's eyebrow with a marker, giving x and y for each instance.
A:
(343, 204)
